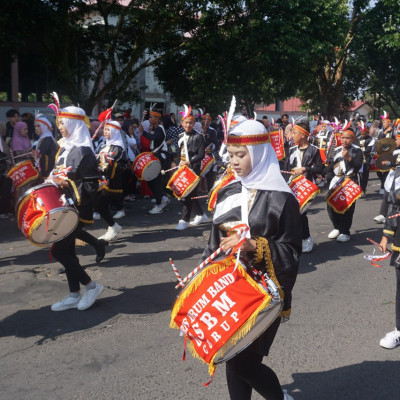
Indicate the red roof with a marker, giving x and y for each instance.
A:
(290, 105)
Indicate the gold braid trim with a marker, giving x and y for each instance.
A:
(263, 253)
(395, 248)
(388, 232)
(87, 221)
(46, 162)
(113, 170)
(78, 197)
(112, 190)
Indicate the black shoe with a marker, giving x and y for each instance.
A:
(101, 250)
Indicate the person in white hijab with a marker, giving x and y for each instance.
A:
(47, 147)
(255, 193)
(77, 163)
(113, 159)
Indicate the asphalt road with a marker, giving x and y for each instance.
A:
(123, 348)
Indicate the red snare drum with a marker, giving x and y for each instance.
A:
(372, 166)
(223, 309)
(277, 142)
(146, 166)
(45, 216)
(304, 190)
(206, 164)
(23, 173)
(343, 195)
(183, 181)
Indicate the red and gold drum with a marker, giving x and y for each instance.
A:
(23, 173)
(183, 181)
(343, 195)
(206, 164)
(277, 142)
(304, 190)
(223, 309)
(146, 166)
(45, 216)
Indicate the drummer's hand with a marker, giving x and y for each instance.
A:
(384, 243)
(185, 163)
(230, 242)
(345, 154)
(59, 182)
(386, 162)
(298, 171)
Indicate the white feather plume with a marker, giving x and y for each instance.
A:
(231, 112)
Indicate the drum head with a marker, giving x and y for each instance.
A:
(264, 320)
(62, 222)
(151, 170)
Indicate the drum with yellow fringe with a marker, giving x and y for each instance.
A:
(224, 308)
(183, 182)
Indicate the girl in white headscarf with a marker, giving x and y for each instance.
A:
(77, 161)
(47, 147)
(113, 159)
(255, 193)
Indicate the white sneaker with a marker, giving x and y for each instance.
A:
(164, 201)
(157, 209)
(119, 214)
(287, 396)
(199, 219)
(381, 191)
(307, 245)
(112, 232)
(343, 238)
(380, 219)
(66, 303)
(334, 234)
(89, 297)
(96, 215)
(153, 200)
(182, 225)
(391, 340)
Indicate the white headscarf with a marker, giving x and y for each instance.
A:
(45, 125)
(115, 134)
(74, 120)
(265, 174)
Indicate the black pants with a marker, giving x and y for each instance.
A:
(364, 178)
(382, 177)
(102, 206)
(64, 253)
(190, 205)
(384, 205)
(398, 299)
(156, 186)
(304, 226)
(246, 371)
(342, 222)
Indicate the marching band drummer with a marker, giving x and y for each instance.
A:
(304, 159)
(76, 159)
(195, 146)
(112, 158)
(260, 198)
(47, 147)
(347, 161)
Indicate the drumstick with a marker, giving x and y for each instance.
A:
(207, 260)
(394, 216)
(175, 270)
(376, 244)
(198, 268)
(199, 197)
(287, 172)
(163, 172)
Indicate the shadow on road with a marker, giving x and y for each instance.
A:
(369, 380)
(147, 299)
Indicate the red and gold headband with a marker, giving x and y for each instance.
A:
(82, 117)
(302, 130)
(43, 122)
(349, 132)
(248, 140)
(206, 116)
(113, 126)
(156, 114)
